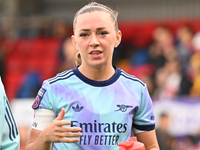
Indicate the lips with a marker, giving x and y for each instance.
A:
(95, 52)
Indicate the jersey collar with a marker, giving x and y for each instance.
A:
(98, 83)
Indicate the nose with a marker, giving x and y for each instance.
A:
(94, 41)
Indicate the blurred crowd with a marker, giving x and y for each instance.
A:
(168, 142)
(169, 64)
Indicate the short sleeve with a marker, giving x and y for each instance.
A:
(44, 98)
(44, 112)
(144, 119)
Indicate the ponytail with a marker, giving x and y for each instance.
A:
(78, 59)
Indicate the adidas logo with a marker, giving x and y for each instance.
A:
(77, 108)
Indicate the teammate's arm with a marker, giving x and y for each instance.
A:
(148, 138)
(55, 132)
(35, 141)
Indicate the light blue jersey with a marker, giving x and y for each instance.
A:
(9, 134)
(107, 111)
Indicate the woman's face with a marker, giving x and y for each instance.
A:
(95, 38)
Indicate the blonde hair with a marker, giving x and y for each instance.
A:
(78, 60)
(94, 6)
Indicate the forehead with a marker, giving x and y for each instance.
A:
(94, 18)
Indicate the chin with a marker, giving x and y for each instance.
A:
(97, 65)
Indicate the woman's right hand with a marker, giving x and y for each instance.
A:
(57, 132)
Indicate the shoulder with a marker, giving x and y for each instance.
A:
(60, 77)
(2, 91)
(51, 89)
(2, 94)
(131, 78)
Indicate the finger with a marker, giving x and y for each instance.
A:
(72, 140)
(62, 122)
(68, 134)
(73, 134)
(68, 140)
(61, 115)
(70, 129)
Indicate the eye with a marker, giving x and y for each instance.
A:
(83, 34)
(103, 32)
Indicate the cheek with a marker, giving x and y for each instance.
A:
(108, 48)
(81, 44)
(82, 47)
(110, 44)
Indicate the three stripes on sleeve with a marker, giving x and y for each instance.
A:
(13, 131)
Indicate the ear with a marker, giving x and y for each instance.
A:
(118, 38)
(74, 41)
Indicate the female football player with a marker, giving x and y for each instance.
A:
(94, 106)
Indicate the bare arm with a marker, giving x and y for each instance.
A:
(55, 132)
(36, 140)
(149, 139)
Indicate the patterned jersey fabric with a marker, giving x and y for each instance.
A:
(107, 111)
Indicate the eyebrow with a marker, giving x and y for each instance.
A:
(101, 28)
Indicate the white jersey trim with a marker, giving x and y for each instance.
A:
(132, 77)
(137, 131)
(61, 76)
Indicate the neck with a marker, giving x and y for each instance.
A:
(97, 73)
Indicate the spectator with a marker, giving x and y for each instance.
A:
(69, 52)
(61, 31)
(162, 49)
(195, 65)
(184, 46)
(196, 42)
(30, 85)
(165, 141)
(160, 79)
(171, 82)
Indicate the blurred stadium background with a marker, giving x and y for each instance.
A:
(160, 45)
